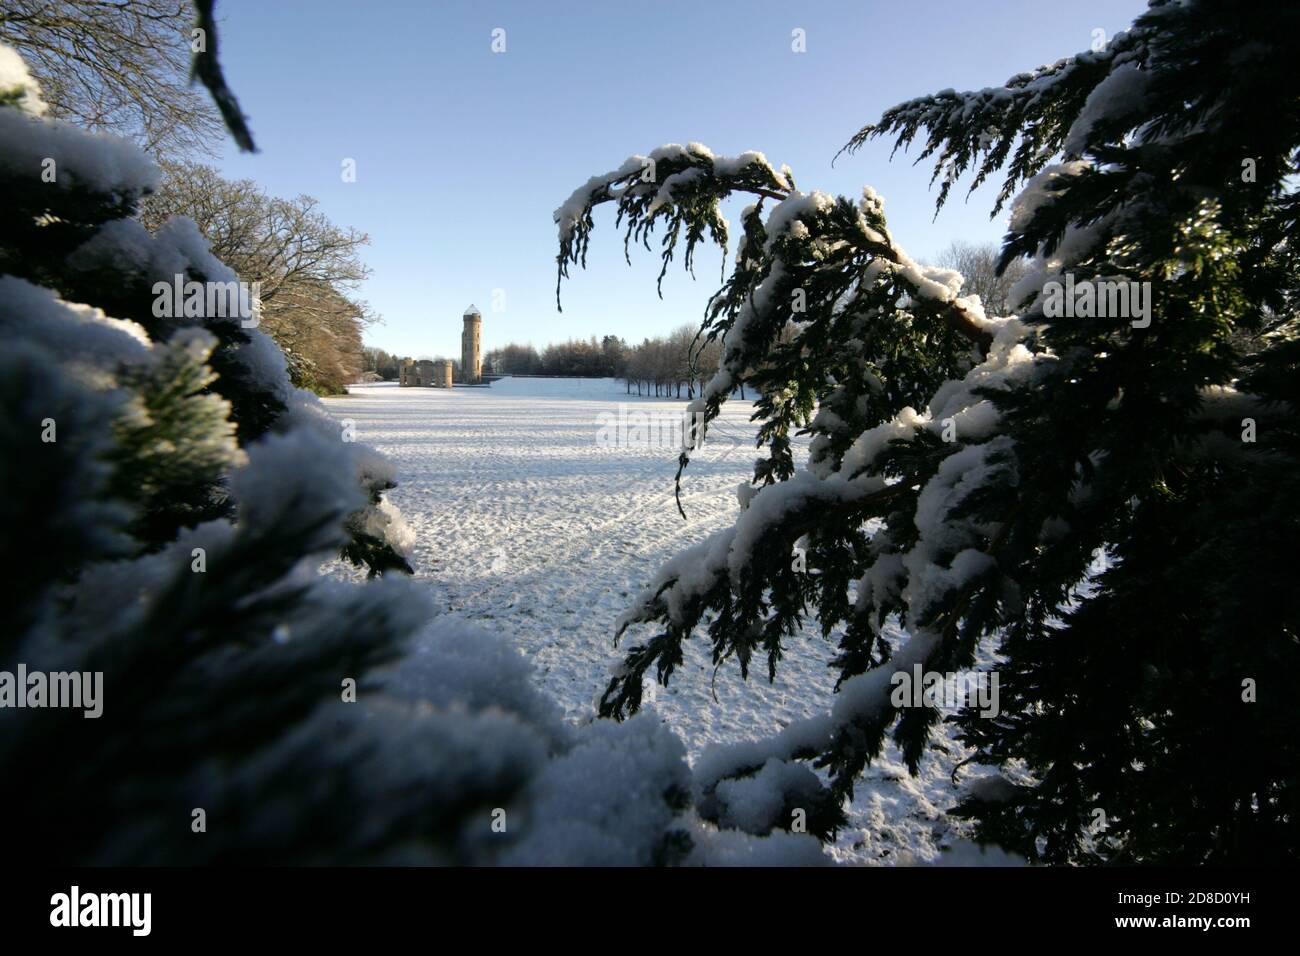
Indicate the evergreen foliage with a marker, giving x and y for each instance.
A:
(179, 681)
(1111, 500)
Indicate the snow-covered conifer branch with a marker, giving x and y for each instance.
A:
(1033, 112)
(1070, 436)
(813, 271)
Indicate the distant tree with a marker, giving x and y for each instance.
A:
(978, 265)
(708, 357)
(309, 268)
(634, 371)
(670, 365)
(681, 358)
(615, 354)
(578, 358)
(514, 359)
(319, 331)
(119, 67)
(380, 362)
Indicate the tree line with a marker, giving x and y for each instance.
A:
(680, 363)
(672, 365)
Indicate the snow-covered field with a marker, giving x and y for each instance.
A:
(531, 524)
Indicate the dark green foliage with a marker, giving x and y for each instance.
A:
(1128, 518)
(365, 549)
(73, 237)
(128, 552)
(168, 504)
(173, 445)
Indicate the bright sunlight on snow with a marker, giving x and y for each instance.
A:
(528, 525)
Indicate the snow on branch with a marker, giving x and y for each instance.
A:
(813, 262)
(1034, 112)
(679, 186)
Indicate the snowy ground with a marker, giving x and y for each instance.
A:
(529, 525)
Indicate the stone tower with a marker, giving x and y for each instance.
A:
(442, 372)
(471, 357)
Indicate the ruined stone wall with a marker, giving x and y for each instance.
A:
(442, 374)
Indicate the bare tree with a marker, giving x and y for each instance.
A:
(977, 262)
(707, 355)
(120, 66)
(319, 330)
(308, 267)
(680, 341)
(279, 242)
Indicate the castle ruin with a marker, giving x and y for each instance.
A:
(425, 373)
(428, 373)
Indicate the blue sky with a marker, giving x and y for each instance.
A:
(463, 154)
